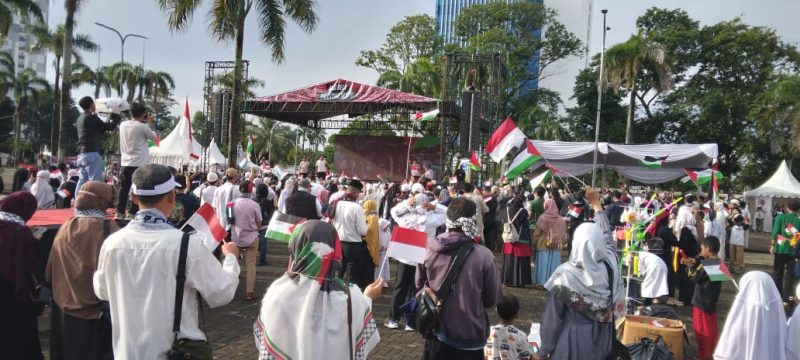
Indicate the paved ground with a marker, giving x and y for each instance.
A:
(230, 327)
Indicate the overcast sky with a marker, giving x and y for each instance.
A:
(349, 26)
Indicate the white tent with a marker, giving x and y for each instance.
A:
(576, 158)
(213, 156)
(782, 184)
(178, 148)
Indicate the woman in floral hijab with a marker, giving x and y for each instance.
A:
(304, 314)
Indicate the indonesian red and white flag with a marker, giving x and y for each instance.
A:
(188, 137)
(207, 225)
(407, 245)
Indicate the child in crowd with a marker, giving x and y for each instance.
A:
(506, 342)
(653, 271)
(737, 243)
(706, 295)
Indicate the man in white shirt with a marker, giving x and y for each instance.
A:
(205, 192)
(321, 167)
(134, 151)
(421, 214)
(350, 222)
(137, 270)
(228, 192)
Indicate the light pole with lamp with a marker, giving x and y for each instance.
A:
(599, 99)
(122, 43)
(269, 145)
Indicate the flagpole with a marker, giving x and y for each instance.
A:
(385, 259)
(599, 100)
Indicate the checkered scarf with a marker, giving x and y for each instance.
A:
(11, 217)
(468, 225)
(90, 213)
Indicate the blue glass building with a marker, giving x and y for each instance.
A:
(448, 10)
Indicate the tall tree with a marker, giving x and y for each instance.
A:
(227, 19)
(627, 62)
(22, 8)
(66, 71)
(26, 85)
(52, 41)
(581, 119)
(225, 81)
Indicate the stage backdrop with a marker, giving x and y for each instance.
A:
(367, 156)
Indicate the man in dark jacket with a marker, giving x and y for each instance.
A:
(615, 210)
(302, 203)
(463, 326)
(91, 130)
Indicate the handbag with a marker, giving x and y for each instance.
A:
(618, 350)
(510, 233)
(430, 303)
(183, 349)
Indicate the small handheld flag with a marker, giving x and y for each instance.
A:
(474, 162)
(717, 270)
(407, 245)
(206, 223)
(426, 116)
(64, 193)
(791, 229)
(281, 226)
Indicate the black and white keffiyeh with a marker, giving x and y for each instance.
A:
(90, 213)
(11, 217)
(150, 219)
(469, 225)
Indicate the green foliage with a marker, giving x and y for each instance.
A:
(581, 118)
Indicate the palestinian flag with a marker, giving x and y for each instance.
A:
(790, 229)
(702, 177)
(717, 270)
(781, 239)
(527, 156)
(251, 148)
(574, 211)
(474, 162)
(652, 162)
(155, 142)
(505, 138)
(714, 187)
(426, 116)
(543, 178)
(281, 226)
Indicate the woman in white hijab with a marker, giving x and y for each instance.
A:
(754, 329)
(45, 199)
(287, 191)
(304, 314)
(578, 314)
(793, 345)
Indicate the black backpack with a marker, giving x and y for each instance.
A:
(430, 303)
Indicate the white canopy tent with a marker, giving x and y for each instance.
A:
(178, 148)
(576, 158)
(781, 185)
(213, 156)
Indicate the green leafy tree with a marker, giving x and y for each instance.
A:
(227, 20)
(581, 119)
(22, 8)
(27, 86)
(225, 81)
(52, 41)
(66, 71)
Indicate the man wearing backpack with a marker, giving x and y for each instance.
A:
(462, 328)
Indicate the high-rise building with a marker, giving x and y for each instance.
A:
(18, 43)
(447, 12)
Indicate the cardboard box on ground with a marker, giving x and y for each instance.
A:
(633, 328)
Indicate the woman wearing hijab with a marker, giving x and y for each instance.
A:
(754, 328)
(41, 189)
(288, 189)
(79, 327)
(550, 235)
(517, 256)
(373, 232)
(578, 314)
(304, 314)
(793, 331)
(19, 255)
(20, 178)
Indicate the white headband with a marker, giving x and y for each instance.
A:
(159, 189)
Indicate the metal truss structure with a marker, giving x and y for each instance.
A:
(212, 71)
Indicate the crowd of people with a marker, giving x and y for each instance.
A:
(129, 283)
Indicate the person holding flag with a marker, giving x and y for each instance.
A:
(142, 295)
(134, 135)
(420, 214)
(783, 231)
(706, 295)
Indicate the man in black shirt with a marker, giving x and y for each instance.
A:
(91, 130)
(302, 203)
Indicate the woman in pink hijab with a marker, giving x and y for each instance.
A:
(549, 236)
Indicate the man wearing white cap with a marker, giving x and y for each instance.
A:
(205, 192)
(138, 267)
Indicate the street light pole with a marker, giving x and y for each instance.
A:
(599, 99)
(122, 44)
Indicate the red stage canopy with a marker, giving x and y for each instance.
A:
(333, 98)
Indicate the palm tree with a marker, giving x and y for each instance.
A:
(45, 40)
(82, 74)
(23, 8)
(101, 82)
(26, 85)
(316, 137)
(225, 81)
(125, 76)
(421, 77)
(66, 71)
(627, 62)
(227, 19)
